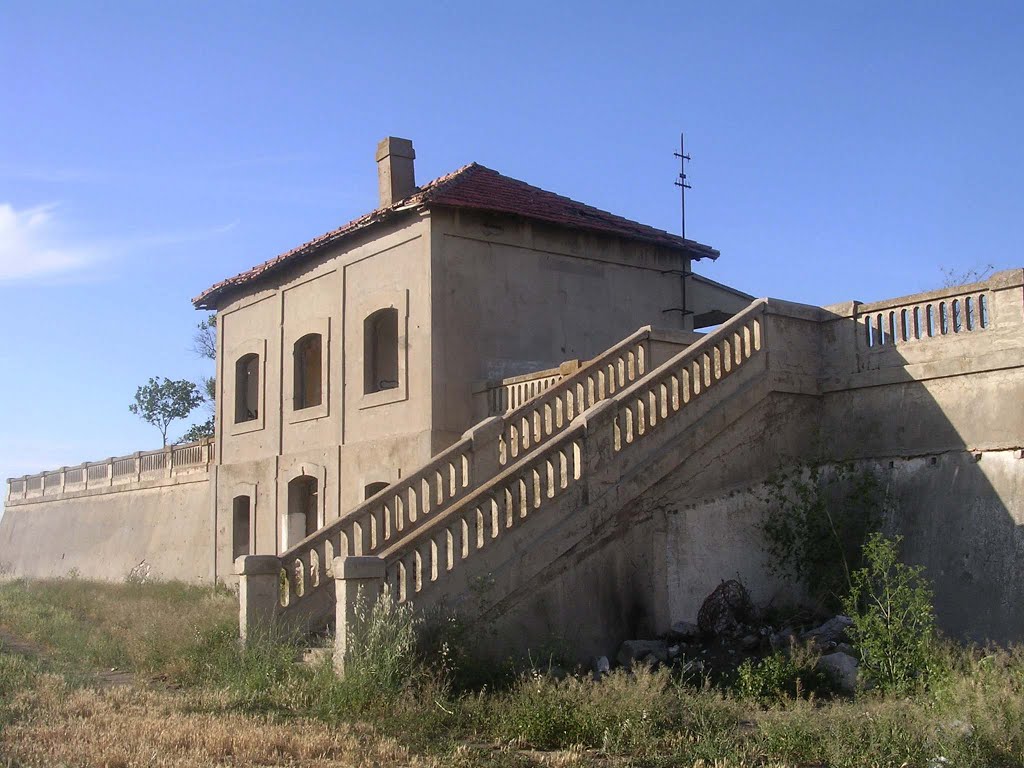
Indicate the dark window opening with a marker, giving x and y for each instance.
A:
(241, 525)
(308, 370)
(380, 353)
(302, 508)
(373, 489)
(247, 388)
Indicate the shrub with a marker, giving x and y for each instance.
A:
(381, 661)
(781, 675)
(893, 619)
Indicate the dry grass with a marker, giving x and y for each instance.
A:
(132, 726)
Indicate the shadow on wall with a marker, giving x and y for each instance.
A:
(923, 390)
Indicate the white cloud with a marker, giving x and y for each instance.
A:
(31, 245)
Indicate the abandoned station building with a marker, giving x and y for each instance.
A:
(481, 378)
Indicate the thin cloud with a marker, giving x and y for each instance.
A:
(35, 245)
(32, 245)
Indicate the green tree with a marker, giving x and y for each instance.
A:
(204, 344)
(197, 432)
(163, 400)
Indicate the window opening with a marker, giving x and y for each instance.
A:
(380, 354)
(373, 489)
(247, 388)
(308, 361)
(242, 525)
(303, 504)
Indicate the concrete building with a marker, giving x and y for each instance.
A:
(347, 363)
(484, 380)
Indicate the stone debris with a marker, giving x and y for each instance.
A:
(600, 667)
(829, 634)
(782, 639)
(726, 611)
(685, 631)
(842, 668)
(640, 650)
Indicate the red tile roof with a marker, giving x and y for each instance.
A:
(477, 187)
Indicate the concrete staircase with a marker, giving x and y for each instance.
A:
(393, 523)
(518, 491)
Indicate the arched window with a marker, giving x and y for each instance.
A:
(247, 388)
(302, 509)
(308, 364)
(241, 511)
(373, 489)
(380, 351)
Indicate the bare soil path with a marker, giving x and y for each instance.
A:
(104, 678)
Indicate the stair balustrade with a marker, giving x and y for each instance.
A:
(556, 474)
(399, 511)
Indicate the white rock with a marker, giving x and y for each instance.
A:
(832, 631)
(842, 668)
(634, 650)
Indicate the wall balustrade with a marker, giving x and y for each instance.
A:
(956, 312)
(126, 471)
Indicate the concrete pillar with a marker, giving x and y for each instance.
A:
(358, 583)
(259, 592)
(485, 436)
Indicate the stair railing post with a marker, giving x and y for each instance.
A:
(259, 593)
(599, 471)
(358, 583)
(485, 437)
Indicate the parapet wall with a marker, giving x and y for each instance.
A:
(146, 515)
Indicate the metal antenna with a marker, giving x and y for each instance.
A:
(681, 183)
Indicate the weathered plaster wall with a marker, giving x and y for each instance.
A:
(163, 532)
(352, 439)
(513, 296)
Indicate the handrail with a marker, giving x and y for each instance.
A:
(504, 395)
(397, 511)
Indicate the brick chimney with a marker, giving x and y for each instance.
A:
(395, 170)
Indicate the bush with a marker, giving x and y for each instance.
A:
(893, 619)
(780, 676)
(381, 661)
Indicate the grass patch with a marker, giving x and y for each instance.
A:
(147, 628)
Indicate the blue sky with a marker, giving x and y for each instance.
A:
(840, 151)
